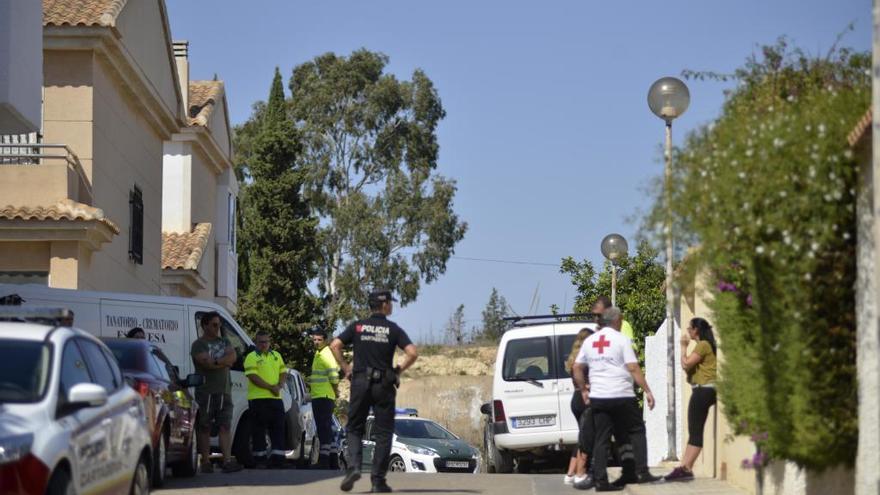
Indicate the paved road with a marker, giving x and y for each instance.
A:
(260, 482)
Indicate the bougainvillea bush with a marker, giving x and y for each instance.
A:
(768, 193)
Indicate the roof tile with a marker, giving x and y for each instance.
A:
(203, 97)
(81, 12)
(65, 209)
(184, 251)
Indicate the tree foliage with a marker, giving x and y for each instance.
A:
(277, 235)
(455, 330)
(369, 154)
(768, 191)
(493, 317)
(640, 293)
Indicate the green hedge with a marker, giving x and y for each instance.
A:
(768, 192)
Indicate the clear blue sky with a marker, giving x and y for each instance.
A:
(547, 132)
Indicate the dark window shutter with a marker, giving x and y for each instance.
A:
(136, 227)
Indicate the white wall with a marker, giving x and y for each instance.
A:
(655, 374)
(177, 187)
(21, 66)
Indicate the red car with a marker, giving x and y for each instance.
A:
(170, 407)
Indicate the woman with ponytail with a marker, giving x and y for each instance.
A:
(700, 367)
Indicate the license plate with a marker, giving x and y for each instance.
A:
(457, 464)
(534, 421)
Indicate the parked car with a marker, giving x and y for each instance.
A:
(170, 407)
(170, 322)
(69, 423)
(420, 445)
(531, 393)
(302, 433)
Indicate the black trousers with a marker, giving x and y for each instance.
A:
(698, 410)
(267, 415)
(380, 396)
(323, 409)
(623, 417)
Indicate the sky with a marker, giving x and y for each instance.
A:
(548, 132)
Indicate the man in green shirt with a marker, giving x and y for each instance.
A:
(323, 385)
(266, 373)
(212, 357)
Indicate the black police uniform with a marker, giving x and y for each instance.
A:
(373, 382)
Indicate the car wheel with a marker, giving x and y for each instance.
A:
(396, 464)
(140, 483)
(316, 451)
(188, 466)
(160, 458)
(300, 454)
(59, 484)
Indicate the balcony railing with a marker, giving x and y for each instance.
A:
(36, 154)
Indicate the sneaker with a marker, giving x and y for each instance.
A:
(231, 466)
(206, 468)
(679, 474)
(605, 486)
(381, 487)
(568, 480)
(584, 483)
(647, 477)
(351, 475)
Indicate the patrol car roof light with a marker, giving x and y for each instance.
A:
(406, 411)
(34, 314)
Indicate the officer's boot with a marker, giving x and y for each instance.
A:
(323, 462)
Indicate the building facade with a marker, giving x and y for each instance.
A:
(81, 206)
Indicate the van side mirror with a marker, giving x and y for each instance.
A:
(486, 408)
(193, 380)
(307, 398)
(176, 370)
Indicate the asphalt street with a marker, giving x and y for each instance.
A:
(306, 482)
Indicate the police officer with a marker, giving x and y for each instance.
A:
(373, 384)
(323, 385)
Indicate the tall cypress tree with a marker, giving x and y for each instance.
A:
(277, 254)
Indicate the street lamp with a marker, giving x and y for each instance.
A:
(668, 98)
(613, 249)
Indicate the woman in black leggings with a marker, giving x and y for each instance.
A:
(577, 466)
(700, 367)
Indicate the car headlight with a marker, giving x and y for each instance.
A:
(420, 450)
(475, 454)
(14, 448)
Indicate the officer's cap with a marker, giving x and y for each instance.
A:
(381, 296)
(317, 331)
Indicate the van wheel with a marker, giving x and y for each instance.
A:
(160, 458)
(140, 483)
(241, 445)
(188, 466)
(497, 461)
(60, 484)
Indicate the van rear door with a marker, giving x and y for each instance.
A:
(164, 324)
(529, 394)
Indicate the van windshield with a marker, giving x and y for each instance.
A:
(24, 370)
(528, 359)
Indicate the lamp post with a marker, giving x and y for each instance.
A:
(614, 248)
(668, 98)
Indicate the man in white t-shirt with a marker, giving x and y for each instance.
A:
(612, 365)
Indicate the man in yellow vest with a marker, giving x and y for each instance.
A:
(266, 375)
(323, 385)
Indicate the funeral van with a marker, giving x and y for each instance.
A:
(529, 418)
(172, 323)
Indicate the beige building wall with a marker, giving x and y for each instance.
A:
(24, 256)
(127, 151)
(204, 198)
(67, 102)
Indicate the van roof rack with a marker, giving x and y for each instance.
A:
(50, 316)
(524, 321)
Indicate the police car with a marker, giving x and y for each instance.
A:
(68, 421)
(420, 445)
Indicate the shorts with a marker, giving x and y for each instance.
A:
(215, 410)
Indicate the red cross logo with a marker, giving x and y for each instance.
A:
(601, 344)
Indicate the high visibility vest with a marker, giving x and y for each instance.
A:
(325, 374)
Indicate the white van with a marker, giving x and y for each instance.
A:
(171, 322)
(530, 414)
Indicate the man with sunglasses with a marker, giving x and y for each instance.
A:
(213, 356)
(265, 371)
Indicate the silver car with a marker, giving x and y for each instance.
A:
(301, 429)
(68, 421)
